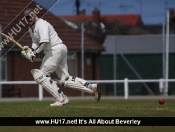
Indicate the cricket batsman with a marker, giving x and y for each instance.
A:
(45, 38)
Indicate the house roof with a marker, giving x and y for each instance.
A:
(12, 14)
(137, 44)
(132, 19)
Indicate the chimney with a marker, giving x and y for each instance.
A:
(96, 15)
(77, 4)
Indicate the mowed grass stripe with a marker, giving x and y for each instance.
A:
(89, 108)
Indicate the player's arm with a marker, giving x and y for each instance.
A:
(31, 53)
(39, 48)
(28, 52)
(44, 40)
(44, 37)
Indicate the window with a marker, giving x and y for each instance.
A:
(3, 66)
(3, 76)
(72, 64)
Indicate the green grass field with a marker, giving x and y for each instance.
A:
(88, 108)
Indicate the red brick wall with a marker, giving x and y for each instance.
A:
(19, 69)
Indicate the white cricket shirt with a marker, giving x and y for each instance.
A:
(43, 31)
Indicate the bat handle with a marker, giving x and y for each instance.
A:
(26, 50)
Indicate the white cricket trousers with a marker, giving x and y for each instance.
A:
(55, 60)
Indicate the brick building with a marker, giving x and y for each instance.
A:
(16, 68)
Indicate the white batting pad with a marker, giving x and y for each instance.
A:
(78, 86)
(47, 83)
(77, 79)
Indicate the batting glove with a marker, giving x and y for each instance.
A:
(28, 54)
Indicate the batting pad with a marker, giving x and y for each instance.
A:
(47, 83)
(78, 86)
(77, 79)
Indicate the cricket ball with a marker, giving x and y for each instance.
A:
(161, 101)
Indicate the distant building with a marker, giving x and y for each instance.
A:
(136, 56)
(98, 26)
(158, 28)
(131, 19)
(154, 29)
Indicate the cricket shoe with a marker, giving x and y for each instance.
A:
(57, 103)
(60, 103)
(66, 100)
(97, 91)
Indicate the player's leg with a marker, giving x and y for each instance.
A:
(48, 66)
(68, 81)
(63, 75)
(93, 87)
(76, 84)
(62, 67)
(48, 84)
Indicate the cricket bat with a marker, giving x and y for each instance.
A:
(12, 40)
(16, 43)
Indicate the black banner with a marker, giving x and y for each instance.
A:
(87, 121)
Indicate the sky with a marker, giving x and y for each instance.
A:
(152, 11)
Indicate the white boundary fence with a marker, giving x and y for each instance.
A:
(125, 81)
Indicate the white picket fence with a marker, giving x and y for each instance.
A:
(125, 81)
